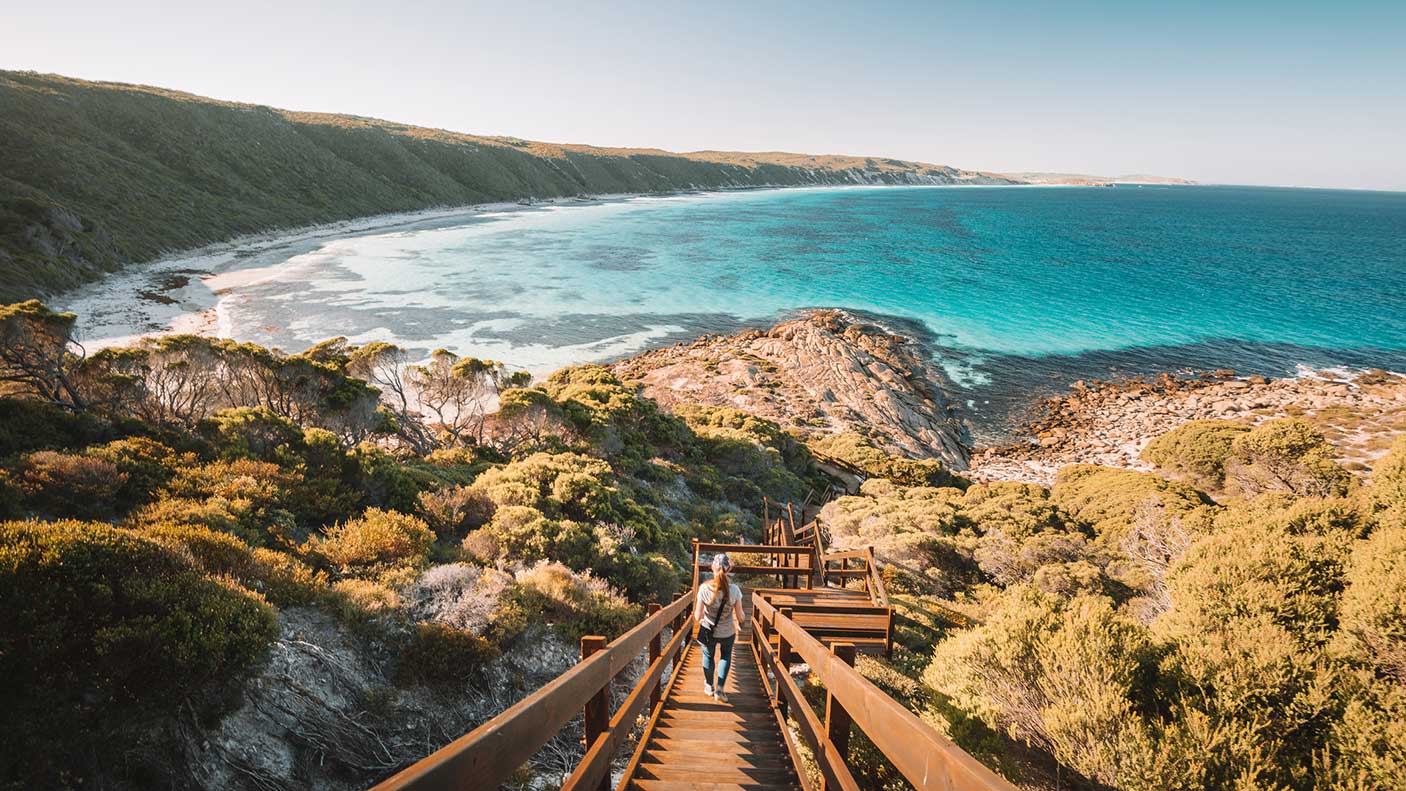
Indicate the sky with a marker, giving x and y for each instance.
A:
(1282, 93)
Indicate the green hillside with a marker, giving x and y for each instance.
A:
(95, 175)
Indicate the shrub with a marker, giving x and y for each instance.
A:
(1110, 500)
(215, 553)
(70, 485)
(1254, 568)
(462, 596)
(148, 465)
(1286, 455)
(1373, 610)
(860, 452)
(576, 604)
(260, 482)
(33, 425)
(1388, 491)
(376, 538)
(100, 628)
(452, 511)
(1059, 675)
(286, 581)
(216, 513)
(252, 433)
(1367, 744)
(442, 655)
(1197, 451)
(366, 598)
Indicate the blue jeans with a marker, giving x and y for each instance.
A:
(724, 659)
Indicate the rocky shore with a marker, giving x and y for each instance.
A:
(1109, 423)
(826, 372)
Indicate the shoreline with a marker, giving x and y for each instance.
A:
(215, 266)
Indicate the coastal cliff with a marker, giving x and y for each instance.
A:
(825, 373)
(95, 175)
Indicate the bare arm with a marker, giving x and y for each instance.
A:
(737, 613)
(698, 607)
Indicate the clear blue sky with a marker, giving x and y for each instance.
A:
(1239, 92)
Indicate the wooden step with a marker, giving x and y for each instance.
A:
(713, 774)
(673, 785)
(672, 743)
(716, 758)
(740, 735)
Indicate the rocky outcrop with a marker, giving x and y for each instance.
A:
(326, 714)
(1109, 423)
(826, 372)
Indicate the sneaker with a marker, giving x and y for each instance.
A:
(719, 696)
(708, 690)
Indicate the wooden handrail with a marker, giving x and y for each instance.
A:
(595, 766)
(488, 755)
(827, 757)
(758, 549)
(929, 760)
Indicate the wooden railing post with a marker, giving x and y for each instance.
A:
(837, 720)
(783, 659)
(695, 565)
(654, 648)
(597, 710)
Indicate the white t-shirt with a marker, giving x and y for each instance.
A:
(723, 623)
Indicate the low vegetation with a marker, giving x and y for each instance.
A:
(175, 498)
(1233, 620)
(1143, 634)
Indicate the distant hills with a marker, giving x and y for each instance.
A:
(95, 175)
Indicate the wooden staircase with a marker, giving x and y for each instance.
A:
(697, 743)
(753, 742)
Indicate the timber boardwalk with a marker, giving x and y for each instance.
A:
(767, 737)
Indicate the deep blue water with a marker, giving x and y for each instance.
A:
(1014, 289)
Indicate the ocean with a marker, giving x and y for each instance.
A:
(1016, 291)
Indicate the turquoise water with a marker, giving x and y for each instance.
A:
(1014, 289)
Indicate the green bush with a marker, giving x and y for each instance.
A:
(100, 630)
(1388, 490)
(70, 485)
(1373, 609)
(857, 451)
(442, 655)
(577, 604)
(1197, 451)
(1286, 455)
(216, 553)
(33, 425)
(287, 581)
(147, 464)
(373, 540)
(1061, 675)
(252, 433)
(1109, 500)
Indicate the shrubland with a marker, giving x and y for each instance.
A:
(1232, 620)
(1235, 626)
(173, 500)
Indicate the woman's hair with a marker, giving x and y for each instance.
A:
(721, 563)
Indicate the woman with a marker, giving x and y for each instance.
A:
(718, 611)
